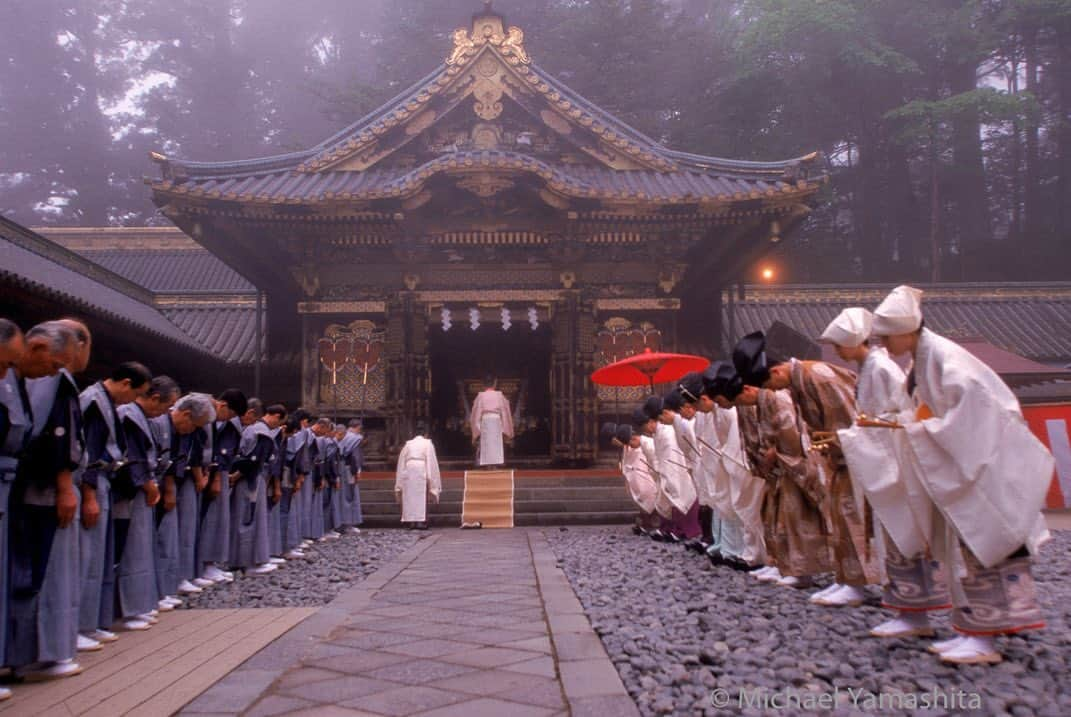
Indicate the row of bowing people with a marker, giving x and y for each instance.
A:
(928, 484)
(118, 499)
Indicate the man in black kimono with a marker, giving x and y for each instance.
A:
(227, 429)
(136, 492)
(43, 608)
(16, 421)
(105, 454)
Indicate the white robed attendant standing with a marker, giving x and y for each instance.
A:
(986, 474)
(416, 478)
(491, 419)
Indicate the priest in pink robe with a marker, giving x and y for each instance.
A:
(491, 420)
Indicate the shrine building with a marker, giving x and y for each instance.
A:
(486, 220)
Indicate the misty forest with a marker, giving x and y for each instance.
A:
(945, 124)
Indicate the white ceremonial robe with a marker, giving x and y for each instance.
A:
(662, 505)
(672, 466)
(976, 457)
(491, 419)
(710, 482)
(746, 490)
(417, 476)
(876, 458)
(639, 476)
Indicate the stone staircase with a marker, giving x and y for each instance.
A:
(573, 499)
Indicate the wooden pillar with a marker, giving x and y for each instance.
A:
(310, 365)
(561, 381)
(417, 368)
(586, 402)
(394, 364)
(723, 342)
(574, 401)
(406, 354)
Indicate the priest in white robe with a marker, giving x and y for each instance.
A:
(672, 465)
(417, 477)
(714, 484)
(639, 477)
(646, 426)
(914, 584)
(491, 420)
(739, 492)
(986, 474)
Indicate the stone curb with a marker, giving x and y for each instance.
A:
(588, 676)
(243, 686)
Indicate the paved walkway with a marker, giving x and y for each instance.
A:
(157, 671)
(464, 623)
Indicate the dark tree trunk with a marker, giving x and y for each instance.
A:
(1063, 130)
(968, 182)
(1032, 209)
(905, 214)
(870, 235)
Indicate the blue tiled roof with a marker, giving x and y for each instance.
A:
(179, 270)
(32, 262)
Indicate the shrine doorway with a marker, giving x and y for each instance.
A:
(520, 358)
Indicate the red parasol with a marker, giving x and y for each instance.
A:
(649, 367)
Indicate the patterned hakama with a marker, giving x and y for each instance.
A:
(999, 600)
(915, 584)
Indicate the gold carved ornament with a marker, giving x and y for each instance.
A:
(488, 104)
(488, 31)
(485, 184)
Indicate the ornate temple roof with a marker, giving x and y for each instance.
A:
(487, 64)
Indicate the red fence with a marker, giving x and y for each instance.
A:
(1051, 424)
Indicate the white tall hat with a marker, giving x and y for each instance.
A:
(851, 327)
(899, 313)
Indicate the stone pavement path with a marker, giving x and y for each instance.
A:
(465, 623)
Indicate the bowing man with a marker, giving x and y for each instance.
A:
(986, 473)
(215, 533)
(250, 540)
(44, 589)
(825, 400)
(106, 454)
(639, 477)
(135, 494)
(17, 363)
(915, 583)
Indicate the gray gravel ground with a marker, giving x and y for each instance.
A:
(328, 569)
(679, 630)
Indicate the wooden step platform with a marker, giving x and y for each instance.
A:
(488, 498)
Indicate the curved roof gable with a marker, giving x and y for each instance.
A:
(488, 62)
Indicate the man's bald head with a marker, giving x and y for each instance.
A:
(84, 341)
